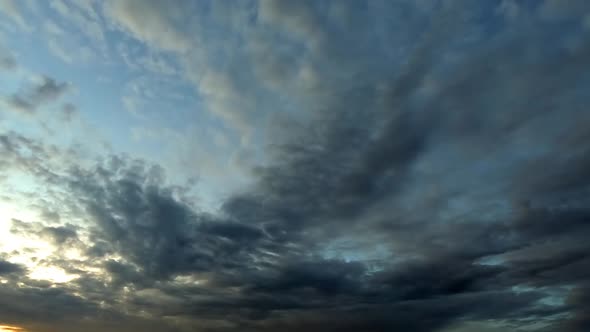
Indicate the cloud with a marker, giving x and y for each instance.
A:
(559, 10)
(14, 11)
(22, 153)
(64, 40)
(69, 111)
(44, 91)
(159, 234)
(7, 268)
(153, 22)
(434, 201)
(57, 306)
(7, 60)
(509, 9)
(69, 52)
(580, 302)
(93, 30)
(298, 18)
(59, 235)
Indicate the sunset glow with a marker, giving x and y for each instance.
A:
(8, 328)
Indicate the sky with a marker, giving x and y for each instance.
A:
(294, 165)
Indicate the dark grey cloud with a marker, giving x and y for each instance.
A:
(133, 213)
(56, 307)
(7, 268)
(579, 300)
(60, 234)
(62, 237)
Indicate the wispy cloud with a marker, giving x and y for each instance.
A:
(14, 10)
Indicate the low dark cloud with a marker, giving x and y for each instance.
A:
(7, 268)
(59, 308)
(59, 235)
(579, 300)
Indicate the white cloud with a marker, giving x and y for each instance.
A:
(156, 23)
(88, 8)
(80, 19)
(53, 28)
(296, 17)
(131, 104)
(224, 99)
(142, 61)
(13, 10)
(69, 53)
(58, 51)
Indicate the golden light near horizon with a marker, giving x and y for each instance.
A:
(9, 328)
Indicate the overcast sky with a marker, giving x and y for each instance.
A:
(291, 165)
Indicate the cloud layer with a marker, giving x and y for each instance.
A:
(425, 171)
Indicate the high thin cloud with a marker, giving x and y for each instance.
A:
(153, 22)
(431, 182)
(14, 10)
